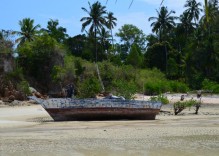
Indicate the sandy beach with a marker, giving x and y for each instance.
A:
(28, 130)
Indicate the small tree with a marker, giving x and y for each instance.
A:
(134, 57)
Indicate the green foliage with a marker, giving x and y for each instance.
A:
(28, 31)
(79, 69)
(134, 57)
(107, 72)
(163, 99)
(210, 86)
(38, 58)
(157, 86)
(23, 86)
(6, 46)
(163, 23)
(130, 34)
(58, 73)
(16, 74)
(89, 88)
(179, 106)
(126, 72)
(155, 57)
(178, 87)
(55, 31)
(124, 88)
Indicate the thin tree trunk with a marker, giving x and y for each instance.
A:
(98, 73)
(96, 44)
(206, 11)
(112, 40)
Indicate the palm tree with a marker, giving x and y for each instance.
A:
(185, 23)
(103, 37)
(193, 9)
(96, 19)
(111, 23)
(59, 33)
(164, 22)
(211, 12)
(28, 30)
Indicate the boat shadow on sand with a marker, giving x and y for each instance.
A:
(41, 119)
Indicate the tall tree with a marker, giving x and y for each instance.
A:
(135, 57)
(111, 22)
(163, 23)
(76, 45)
(28, 31)
(130, 34)
(186, 24)
(193, 9)
(211, 12)
(55, 31)
(96, 19)
(104, 37)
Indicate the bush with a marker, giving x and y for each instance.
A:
(210, 86)
(163, 99)
(156, 86)
(124, 88)
(180, 106)
(23, 86)
(178, 87)
(17, 74)
(89, 88)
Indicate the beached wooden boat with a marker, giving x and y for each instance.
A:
(68, 109)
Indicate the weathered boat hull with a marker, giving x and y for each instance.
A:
(72, 114)
(66, 109)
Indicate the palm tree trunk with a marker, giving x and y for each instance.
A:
(166, 55)
(96, 44)
(112, 39)
(98, 74)
(98, 71)
(206, 10)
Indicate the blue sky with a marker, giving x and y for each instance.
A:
(69, 12)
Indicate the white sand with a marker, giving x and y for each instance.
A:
(28, 130)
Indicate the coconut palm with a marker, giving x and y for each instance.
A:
(164, 22)
(211, 12)
(55, 31)
(104, 38)
(28, 30)
(193, 9)
(111, 22)
(96, 19)
(186, 24)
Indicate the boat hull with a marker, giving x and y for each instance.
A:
(66, 109)
(88, 114)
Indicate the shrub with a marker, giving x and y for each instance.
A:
(89, 88)
(17, 74)
(157, 86)
(23, 86)
(154, 87)
(210, 86)
(179, 106)
(178, 87)
(163, 99)
(124, 88)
